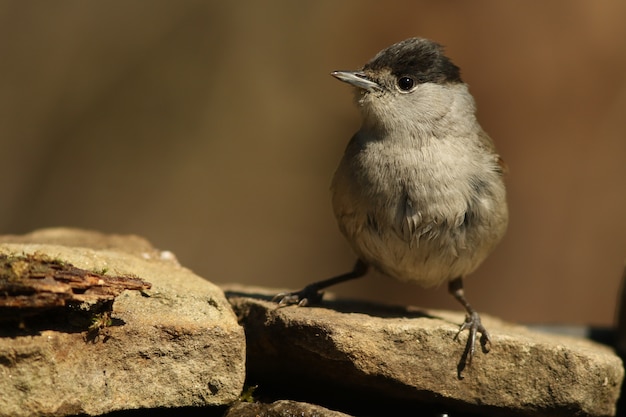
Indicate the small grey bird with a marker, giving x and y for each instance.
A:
(419, 192)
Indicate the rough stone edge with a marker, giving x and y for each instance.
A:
(271, 314)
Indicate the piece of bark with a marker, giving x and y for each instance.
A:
(32, 284)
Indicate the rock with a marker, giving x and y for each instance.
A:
(283, 408)
(363, 351)
(177, 344)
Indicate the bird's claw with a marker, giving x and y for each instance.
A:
(474, 325)
(306, 296)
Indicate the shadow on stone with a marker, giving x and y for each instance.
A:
(345, 306)
(67, 319)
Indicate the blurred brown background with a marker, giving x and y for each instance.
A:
(213, 129)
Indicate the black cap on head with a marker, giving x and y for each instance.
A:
(418, 57)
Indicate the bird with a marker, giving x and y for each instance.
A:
(419, 193)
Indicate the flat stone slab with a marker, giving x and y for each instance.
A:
(176, 344)
(282, 408)
(409, 354)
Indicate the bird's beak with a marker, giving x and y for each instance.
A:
(357, 79)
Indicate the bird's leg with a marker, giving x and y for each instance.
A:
(311, 294)
(472, 323)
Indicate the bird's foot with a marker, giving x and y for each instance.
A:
(306, 296)
(474, 325)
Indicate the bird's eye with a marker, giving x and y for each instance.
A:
(406, 83)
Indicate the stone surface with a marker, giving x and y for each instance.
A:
(406, 354)
(177, 344)
(283, 408)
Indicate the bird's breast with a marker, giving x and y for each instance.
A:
(406, 209)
